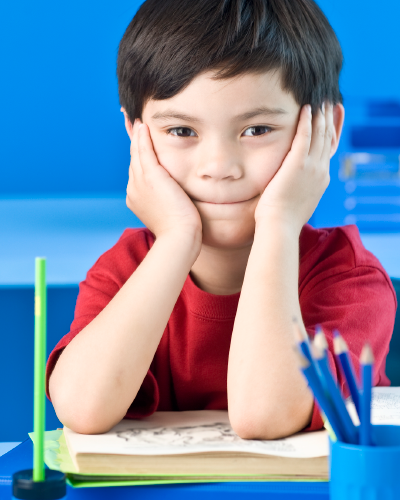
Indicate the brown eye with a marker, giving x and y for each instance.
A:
(256, 131)
(182, 132)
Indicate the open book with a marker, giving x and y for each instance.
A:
(385, 406)
(195, 445)
(124, 456)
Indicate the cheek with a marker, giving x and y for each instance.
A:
(276, 155)
(175, 161)
(265, 164)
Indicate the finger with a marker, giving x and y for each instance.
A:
(147, 156)
(302, 139)
(318, 135)
(135, 166)
(326, 151)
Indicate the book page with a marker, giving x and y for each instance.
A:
(385, 406)
(170, 433)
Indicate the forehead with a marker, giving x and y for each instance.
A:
(231, 97)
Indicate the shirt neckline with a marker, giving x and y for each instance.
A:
(209, 305)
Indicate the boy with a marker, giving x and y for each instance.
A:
(228, 163)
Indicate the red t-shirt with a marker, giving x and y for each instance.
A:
(341, 286)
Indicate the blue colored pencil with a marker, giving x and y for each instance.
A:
(304, 346)
(366, 361)
(320, 339)
(349, 429)
(302, 340)
(318, 391)
(321, 343)
(342, 353)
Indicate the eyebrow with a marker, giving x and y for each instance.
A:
(262, 110)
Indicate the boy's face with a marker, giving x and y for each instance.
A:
(223, 141)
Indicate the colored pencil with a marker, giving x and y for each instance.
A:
(303, 343)
(342, 353)
(321, 343)
(367, 362)
(349, 429)
(320, 339)
(39, 368)
(302, 339)
(319, 394)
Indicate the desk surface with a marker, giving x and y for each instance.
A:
(73, 232)
(21, 457)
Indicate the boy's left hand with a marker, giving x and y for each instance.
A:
(296, 189)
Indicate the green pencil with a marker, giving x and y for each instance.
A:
(40, 361)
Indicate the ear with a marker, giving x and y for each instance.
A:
(338, 120)
(128, 124)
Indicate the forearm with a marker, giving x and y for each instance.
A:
(267, 394)
(100, 372)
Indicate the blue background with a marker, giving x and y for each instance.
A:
(61, 128)
(63, 137)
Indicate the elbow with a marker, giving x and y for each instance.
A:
(87, 426)
(271, 421)
(84, 421)
(80, 417)
(270, 427)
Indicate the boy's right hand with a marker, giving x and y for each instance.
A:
(153, 195)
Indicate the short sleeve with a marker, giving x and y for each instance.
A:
(343, 286)
(102, 283)
(360, 303)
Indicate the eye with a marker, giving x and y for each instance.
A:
(257, 131)
(181, 132)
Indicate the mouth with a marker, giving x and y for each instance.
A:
(225, 202)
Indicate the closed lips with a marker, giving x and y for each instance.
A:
(223, 202)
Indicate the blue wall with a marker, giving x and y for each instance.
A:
(368, 33)
(61, 128)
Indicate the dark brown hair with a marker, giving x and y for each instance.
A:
(170, 42)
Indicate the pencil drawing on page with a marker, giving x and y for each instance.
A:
(189, 435)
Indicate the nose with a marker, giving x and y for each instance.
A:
(219, 160)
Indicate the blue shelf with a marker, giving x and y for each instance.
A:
(365, 170)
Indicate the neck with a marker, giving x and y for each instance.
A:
(220, 271)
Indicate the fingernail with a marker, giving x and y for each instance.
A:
(323, 107)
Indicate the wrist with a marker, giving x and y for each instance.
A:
(278, 222)
(187, 240)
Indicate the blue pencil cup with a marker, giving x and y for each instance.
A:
(366, 472)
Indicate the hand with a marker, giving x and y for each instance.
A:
(153, 195)
(297, 187)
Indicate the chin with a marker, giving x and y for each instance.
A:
(228, 234)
